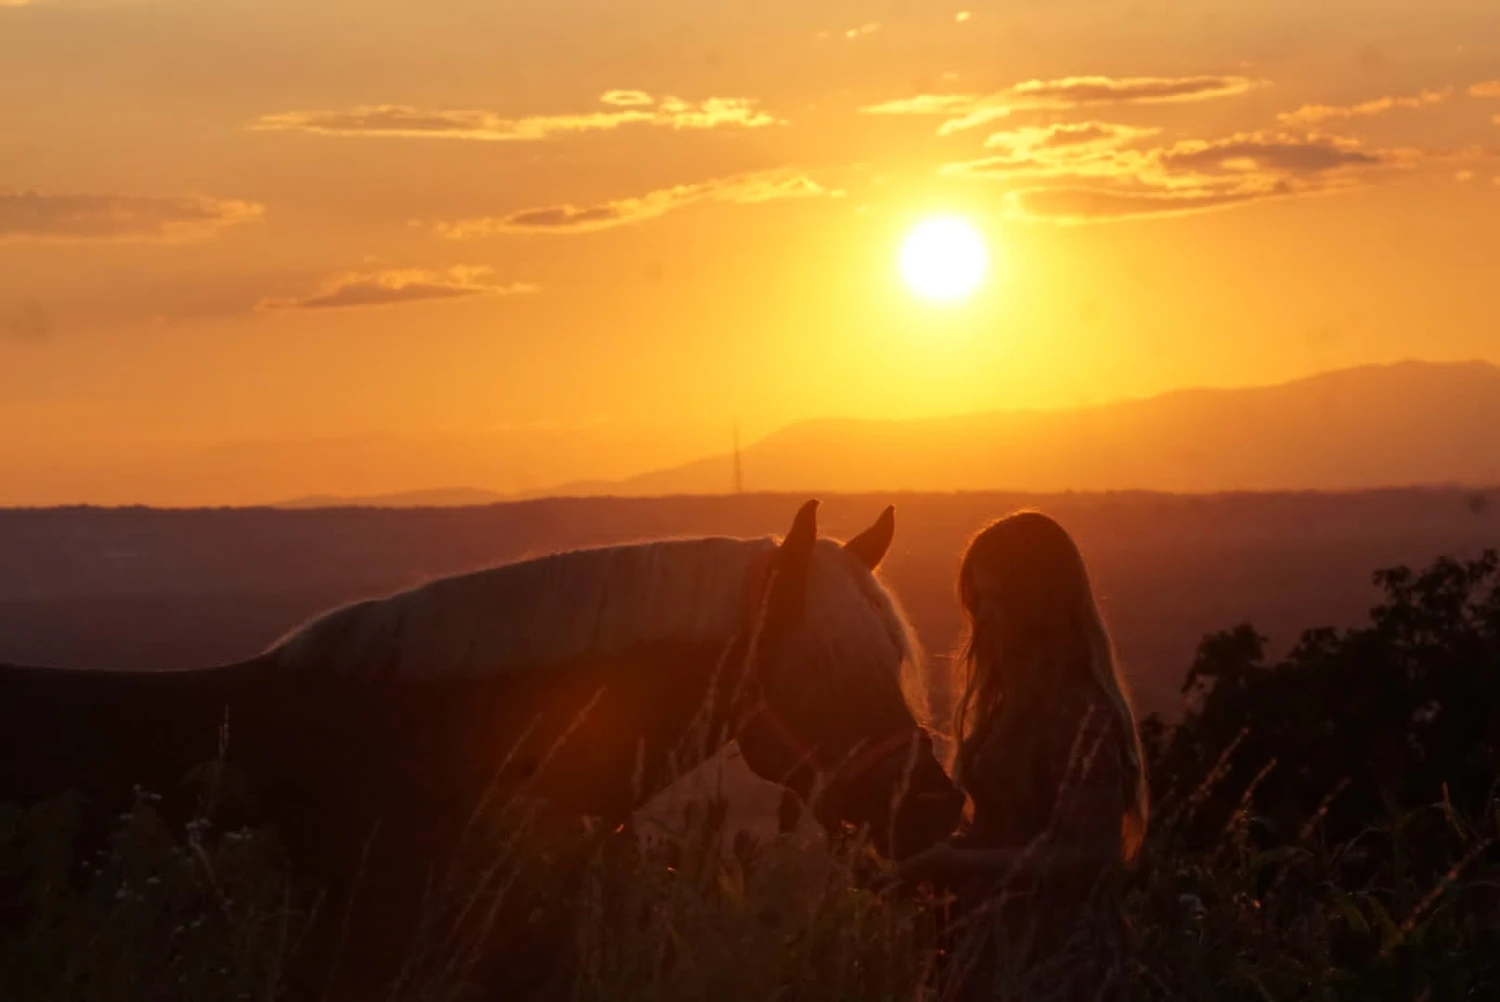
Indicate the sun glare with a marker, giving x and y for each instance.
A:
(944, 259)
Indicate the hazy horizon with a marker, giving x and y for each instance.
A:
(1377, 427)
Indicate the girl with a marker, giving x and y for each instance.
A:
(1048, 754)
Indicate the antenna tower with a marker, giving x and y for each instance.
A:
(739, 473)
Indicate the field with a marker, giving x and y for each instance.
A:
(1293, 867)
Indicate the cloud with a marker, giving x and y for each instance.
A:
(624, 107)
(1316, 114)
(1068, 135)
(395, 286)
(626, 98)
(28, 215)
(1080, 92)
(966, 111)
(1191, 176)
(925, 104)
(739, 189)
(1080, 148)
(1245, 162)
(1075, 206)
(1261, 153)
(24, 320)
(1489, 88)
(864, 29)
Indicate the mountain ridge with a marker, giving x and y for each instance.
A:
(1408, 423)
(1452, 414)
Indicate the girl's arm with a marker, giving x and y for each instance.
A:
(1082, 838)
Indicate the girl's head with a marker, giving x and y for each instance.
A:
(1035, 637)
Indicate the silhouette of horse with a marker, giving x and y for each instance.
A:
(589, 678)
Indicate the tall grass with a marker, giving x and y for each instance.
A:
(151, 914)
(693, 910)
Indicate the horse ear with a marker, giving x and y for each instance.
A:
(786, 599)
(870, 546)
(804, 532)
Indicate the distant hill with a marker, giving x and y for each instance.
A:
(451, 497)
(1410, 423)
(1406, 424)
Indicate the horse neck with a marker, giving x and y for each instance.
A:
(524, 618)
(722, 683)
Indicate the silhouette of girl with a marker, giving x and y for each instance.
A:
(1048, 754)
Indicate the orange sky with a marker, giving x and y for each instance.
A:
(252, 249)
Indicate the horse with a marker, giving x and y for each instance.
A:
(590, 678)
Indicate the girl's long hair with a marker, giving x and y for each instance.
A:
(1034, 628)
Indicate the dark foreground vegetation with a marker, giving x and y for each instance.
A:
(1325, 828)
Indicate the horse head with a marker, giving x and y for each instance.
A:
(824, 711)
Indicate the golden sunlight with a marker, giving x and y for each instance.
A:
(944, 259)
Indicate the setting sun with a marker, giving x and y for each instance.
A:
(944, 259)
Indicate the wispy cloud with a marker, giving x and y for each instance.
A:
(1067, 135)
(29, 215)
(925, 104)
(1190, 176)
(1317, 114)
(1076, 205)
(395, 286)
(1078, 149)
(621, 108)
(627, 98)
(865, 29)
(1489, 88)
(1082, 92)
(1263, 153)
(966, 111)
(739, 189)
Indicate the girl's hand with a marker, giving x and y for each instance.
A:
(924, 865)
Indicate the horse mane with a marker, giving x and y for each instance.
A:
(905, 654)
(547, 610)
(842, 593)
